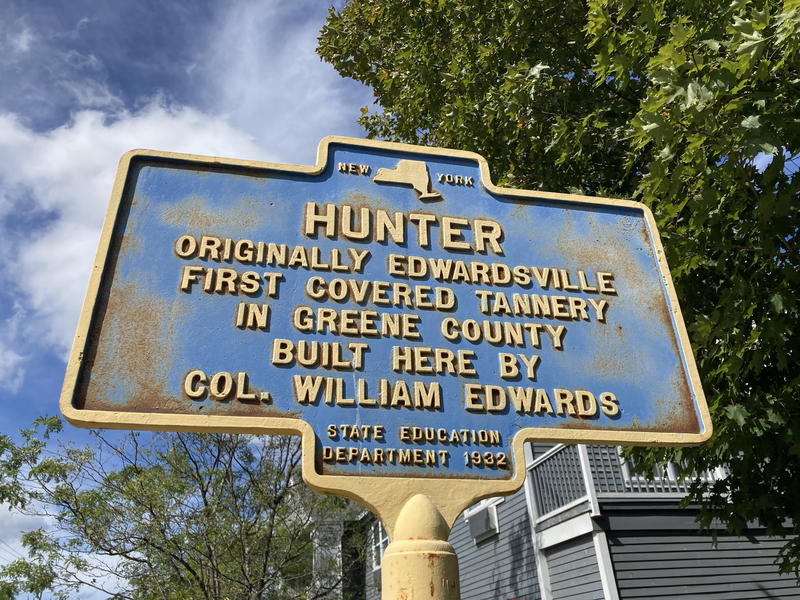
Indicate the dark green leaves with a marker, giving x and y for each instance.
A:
(690, 107)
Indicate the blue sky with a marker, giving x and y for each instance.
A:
(84, 81)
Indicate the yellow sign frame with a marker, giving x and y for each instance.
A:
(385, 496)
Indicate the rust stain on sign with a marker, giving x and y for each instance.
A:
(197, 213)
(138, 337)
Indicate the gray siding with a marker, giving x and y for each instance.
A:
(373, 587)
(664, 565)
(574, 574)
(503, 566)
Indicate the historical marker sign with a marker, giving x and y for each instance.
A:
(406, 316)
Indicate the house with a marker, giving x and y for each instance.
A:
(583, 527)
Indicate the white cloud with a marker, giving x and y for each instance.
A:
(12, 364)
(42, 77)
(12, 525)
(265, 96)
(22, 40)
(261, 69)
(90, 93)
(68, 172)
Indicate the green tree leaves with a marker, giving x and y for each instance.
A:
(690, 107)
(164, 517)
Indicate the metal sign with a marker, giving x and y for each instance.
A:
(390, 304)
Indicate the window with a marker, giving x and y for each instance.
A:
(378, 542)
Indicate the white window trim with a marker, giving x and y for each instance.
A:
(376, 550)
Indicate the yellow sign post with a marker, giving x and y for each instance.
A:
(412, 322)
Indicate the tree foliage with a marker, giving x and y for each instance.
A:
(690, 106)
(164, 517)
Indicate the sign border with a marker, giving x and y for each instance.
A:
(383, 495)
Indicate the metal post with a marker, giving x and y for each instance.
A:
(420, 562)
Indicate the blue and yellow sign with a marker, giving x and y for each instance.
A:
(390, 304)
